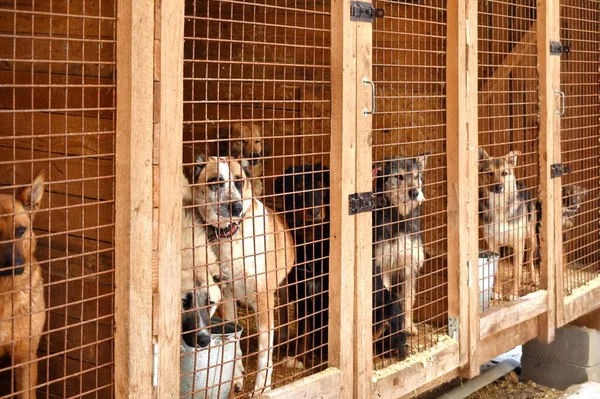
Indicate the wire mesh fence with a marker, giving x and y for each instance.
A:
(256, 93)
(580, 141)
(508, 150)
(57, 112)
(410, 295)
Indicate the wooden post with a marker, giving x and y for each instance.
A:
(550, 233)
(363, 342)
(168, 137)
(343, 167)
(133, 231)
(462, 171)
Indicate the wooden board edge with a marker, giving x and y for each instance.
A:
(323, 385)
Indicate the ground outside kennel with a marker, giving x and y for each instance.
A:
(291, 198)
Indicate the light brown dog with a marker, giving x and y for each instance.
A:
(254, 247)
(507, 215)
(246, 142)
(22, 307)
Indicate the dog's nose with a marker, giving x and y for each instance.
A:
(237, 208)
(414, 193)
(255, 155)
(203, 340)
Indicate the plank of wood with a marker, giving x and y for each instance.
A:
(548, 29)
(168, 99)
(133, 255)
(505, 340)
(45, 91)
(403, 378)
(461, 168)
(343, 170)
(518, 311)
(363, 269)
(583, 300)
(58, 133)
(322, 385)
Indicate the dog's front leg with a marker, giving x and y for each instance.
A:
(265, 324)
(230, 313)
(27, 373)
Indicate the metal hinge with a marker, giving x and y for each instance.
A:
(364, 12)
(155, 366)
(453, 328)
(557, 49)
(363, 202)
(559, 169)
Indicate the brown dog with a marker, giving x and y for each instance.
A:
(254, 247)
(507, 215)
(246, 142)
(22, 307)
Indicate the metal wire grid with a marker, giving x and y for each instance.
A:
(57, 112)
(263, 67)
(580, 145)
(409, 69)
(508, 121)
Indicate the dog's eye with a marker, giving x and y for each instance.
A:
(20, 231)
(491, 174)
(504, 173)
(401, 177)
(257, 141)
(217, 278)
(212, 303)
(238, 185)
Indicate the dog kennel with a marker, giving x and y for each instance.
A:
(338, 110)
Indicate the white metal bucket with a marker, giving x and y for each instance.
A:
(214, 364)
(488, 266)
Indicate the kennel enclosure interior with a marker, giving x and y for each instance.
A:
(115, 99)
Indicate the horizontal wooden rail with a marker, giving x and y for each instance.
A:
(583, 300)
(515, 312)
(404, 377)
(322, 385)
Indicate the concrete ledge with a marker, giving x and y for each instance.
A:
(555, 374)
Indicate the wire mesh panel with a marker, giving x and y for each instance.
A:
(580, 141)
(257, 93)
(57, 118)
(508, 150)
(410, 281)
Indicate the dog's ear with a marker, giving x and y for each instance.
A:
(200, 165)
(512, 158)
(422, 160)
(484, 160)
(31, 196)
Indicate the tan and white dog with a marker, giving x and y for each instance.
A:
(254, 248)
(507, 215)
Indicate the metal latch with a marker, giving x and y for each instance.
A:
(559, 169)
(364, 12)
(557, 49)
(364, 202)
(453, 328)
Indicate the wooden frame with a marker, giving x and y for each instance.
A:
(148, 233)
(133, 235)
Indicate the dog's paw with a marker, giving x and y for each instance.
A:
(238, 376)
(412, 330)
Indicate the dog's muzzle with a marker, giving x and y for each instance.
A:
(227, 232)
(497, 188)
(8, 265)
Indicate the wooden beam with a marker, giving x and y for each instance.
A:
(549, 195)
(363, 320)
(583, 300)
(590, 320)
(461, 169)
(133, 231)
(168, 76)
(505, 340)
(514, 59)
(505, 316)
(342, 169)
(407, 376)
(323, 385)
